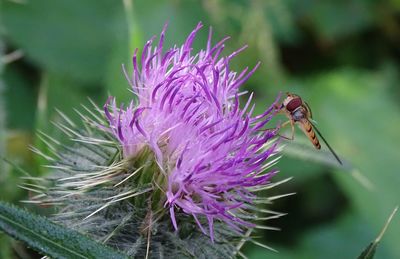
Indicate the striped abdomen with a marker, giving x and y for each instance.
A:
(307, 127)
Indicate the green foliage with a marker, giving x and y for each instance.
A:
(334, 20)
(370, 251)
(2, 110)
(71, 38)
(20, 117)
(377, 113)
(49, 238)
(5, 247)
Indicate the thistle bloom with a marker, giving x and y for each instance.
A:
(186, 110)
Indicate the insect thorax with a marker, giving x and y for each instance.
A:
(299, 114)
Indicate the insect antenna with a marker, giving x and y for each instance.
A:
(326, 143)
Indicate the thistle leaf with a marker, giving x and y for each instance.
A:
(2, 109)
(370, 250)
(49, 238)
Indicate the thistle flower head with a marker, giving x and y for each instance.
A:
(210, 150)
(176, 172)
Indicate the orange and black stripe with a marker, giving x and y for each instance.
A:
(308, 130)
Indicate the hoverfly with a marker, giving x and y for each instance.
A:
(299, 112)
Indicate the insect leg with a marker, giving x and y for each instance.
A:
(292, 126)
(278, 108)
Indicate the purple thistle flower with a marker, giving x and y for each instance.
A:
(187, 112)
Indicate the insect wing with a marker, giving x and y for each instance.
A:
(326, 143)
(309, 109)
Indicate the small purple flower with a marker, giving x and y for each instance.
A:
(187, 112)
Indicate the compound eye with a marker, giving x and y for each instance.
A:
(294, 104)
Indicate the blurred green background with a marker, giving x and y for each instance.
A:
(342, 56)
